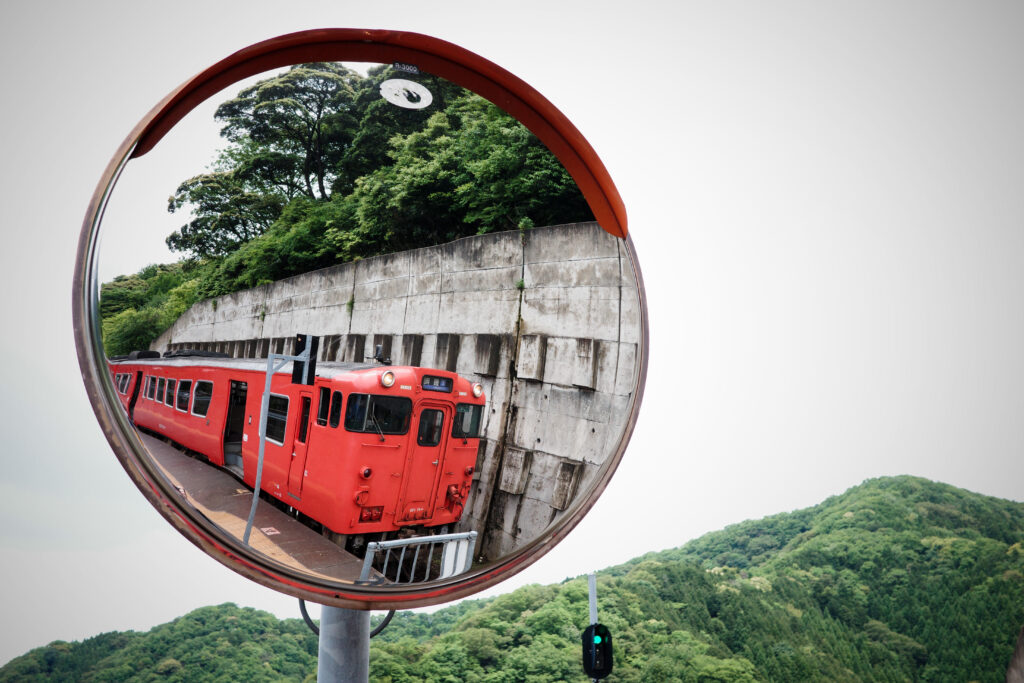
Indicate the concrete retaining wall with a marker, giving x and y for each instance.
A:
(547, 320)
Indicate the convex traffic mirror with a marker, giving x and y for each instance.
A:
(448, 258)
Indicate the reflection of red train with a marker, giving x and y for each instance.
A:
(365, 449)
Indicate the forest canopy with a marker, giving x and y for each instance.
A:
(318, 168)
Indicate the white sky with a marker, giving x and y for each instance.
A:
(825, 198)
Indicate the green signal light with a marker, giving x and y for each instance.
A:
(597, 640)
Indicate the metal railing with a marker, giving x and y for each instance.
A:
(455, 557)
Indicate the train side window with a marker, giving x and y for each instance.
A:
(184, 393)
(336, 409)
(323, 407)
(466, 424)
(277, 418)
(378, 414)
(149, 386)
(160, 387)
(431, 422)
(124, 383)
(169, 398)
(201, 403)
(304, 419)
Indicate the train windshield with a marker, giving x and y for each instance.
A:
(378, 414)
(466, 424)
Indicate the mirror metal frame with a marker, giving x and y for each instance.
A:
(434, 56)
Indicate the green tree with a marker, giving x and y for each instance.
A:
(225, 214)
(299, 120)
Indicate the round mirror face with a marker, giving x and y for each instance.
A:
(381, 301)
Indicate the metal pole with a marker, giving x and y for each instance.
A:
(264, 409)
(344, 646)
(592, 582)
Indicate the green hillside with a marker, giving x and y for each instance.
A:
(898, 579)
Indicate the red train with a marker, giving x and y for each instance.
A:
(365, 449)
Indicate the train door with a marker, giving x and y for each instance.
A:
(135, 395)
(426, 458)
(300, 445)
(234, 426)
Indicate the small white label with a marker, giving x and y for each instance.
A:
(245, 437)
(407, 387)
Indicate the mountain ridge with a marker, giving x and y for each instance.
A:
(897, 578)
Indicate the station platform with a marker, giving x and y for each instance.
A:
(225, 501)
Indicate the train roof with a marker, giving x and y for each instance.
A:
(326, 369)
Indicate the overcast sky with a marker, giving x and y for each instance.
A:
(827, 204)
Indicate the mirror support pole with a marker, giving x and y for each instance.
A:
(344, 653)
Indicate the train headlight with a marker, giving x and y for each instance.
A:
(478, 390)
(387, 379)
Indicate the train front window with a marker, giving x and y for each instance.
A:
(466, 424)
(336, 409)
(277, 418)
(184, 393)
(431, 424)
(378, 414)
(201, 403)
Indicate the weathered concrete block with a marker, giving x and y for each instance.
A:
(446, 352)
(355, 348)
(591, 272)
(569, 243)
(492, 279)
(482, 252)
(626, 373)
(422, 314)
(591, 312)
(479, 312)
(412, 350)
(571, 362)
(532, 356)
(487, 354)
(515, 470)
(564, 490)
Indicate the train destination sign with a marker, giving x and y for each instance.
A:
(433, 265)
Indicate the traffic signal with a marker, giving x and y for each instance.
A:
(597, 651)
